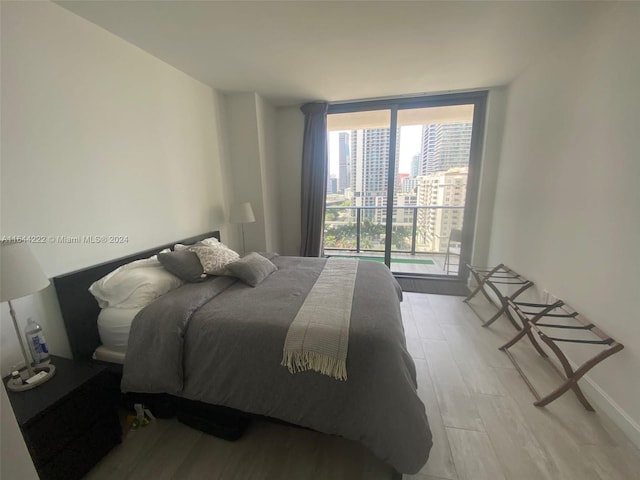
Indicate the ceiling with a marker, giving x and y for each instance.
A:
(299, 51)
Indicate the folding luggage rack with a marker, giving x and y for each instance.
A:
(527, 318)
(530, 316)
(491, 278)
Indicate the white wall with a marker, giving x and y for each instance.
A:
(492, 143)
(289, 136)
(266, 118)
(244, 157)
(568, 198)
(252, 156)
(98, 138)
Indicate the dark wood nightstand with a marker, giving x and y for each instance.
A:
(70, 422)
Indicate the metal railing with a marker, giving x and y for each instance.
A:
(348, 228)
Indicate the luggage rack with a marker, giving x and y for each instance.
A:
(530, 316)
(492, 277)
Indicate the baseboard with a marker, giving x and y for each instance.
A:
(617, 415)
(432, 285)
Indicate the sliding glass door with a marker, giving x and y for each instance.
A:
(357, 188)
(402, 182)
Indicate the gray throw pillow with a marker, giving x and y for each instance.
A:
(184, 264)
(252, 269)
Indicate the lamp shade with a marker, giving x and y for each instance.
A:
(20, 273)
(241, 213)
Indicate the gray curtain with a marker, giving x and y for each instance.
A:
(314, 177)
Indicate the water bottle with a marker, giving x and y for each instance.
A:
(36, 342)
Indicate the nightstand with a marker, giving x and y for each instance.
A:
(70, 422)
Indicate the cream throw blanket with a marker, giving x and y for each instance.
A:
(318, 337)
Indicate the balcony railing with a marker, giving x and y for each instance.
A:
(416, 229)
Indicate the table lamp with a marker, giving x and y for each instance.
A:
(21, 275)
(242, 213)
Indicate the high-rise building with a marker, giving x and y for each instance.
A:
(343, 162)
(428, 147)
(445, 146)
(409, 185)
(332, 184)
(403, 217)
(415, 166)
(369, 169)
(446, 189)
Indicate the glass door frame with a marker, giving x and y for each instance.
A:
(479, 101)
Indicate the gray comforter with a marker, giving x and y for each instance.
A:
(221, 342)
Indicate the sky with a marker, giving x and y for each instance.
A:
(410, 145)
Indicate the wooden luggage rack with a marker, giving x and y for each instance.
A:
(493, 277)
(530, 316)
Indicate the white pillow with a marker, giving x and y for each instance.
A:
(215, 257)
(144, 262)
(134, 285)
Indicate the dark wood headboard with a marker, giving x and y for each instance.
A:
(80, 309)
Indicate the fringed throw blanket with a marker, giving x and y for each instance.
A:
(318, 337)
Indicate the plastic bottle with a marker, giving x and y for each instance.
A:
(17, 379)
(36, 342)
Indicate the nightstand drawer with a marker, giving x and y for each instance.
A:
(83, 452)
(68, 420)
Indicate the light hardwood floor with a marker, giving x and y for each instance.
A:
(481, 414)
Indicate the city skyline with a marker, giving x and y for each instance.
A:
(433, 176)
(411, 145)
(422, 149)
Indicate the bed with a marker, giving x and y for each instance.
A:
(220, 342)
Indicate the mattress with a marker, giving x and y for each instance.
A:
(114, 325)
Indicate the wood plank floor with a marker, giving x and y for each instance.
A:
(481, 414)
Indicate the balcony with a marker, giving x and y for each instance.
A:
(419, 241)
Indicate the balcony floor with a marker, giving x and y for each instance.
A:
(405, 262)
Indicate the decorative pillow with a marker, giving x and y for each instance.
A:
(252, 269)
(134, 285)
(210, 241)
(184, 265)
(215, 258)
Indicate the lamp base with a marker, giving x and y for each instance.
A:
(42, 374)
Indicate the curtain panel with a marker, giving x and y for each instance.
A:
(315, 167)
